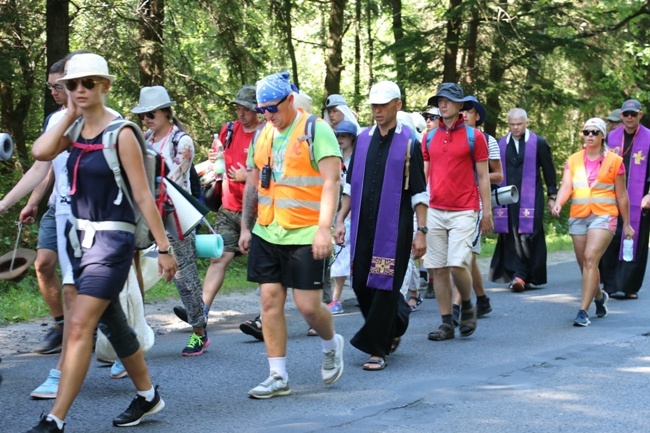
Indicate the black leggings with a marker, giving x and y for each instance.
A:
(114, 325)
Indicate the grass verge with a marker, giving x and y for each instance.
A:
(22, 301)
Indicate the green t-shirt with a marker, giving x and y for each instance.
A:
(324, 145)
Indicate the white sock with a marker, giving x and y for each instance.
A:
(328, 345)
(279, 366)
(59, 423)
(148, 394)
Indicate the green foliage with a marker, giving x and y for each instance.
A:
(21, 301)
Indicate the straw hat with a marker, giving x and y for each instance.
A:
(153, 98)
(86, 65)
(24, 259)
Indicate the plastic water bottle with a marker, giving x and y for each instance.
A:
(628, 250)
(219, 166)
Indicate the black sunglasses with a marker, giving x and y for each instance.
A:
(433, 117)
(88, 83)
(588, 132)
(630, 113)
(149, 115)
(271, 108)
(57, 87)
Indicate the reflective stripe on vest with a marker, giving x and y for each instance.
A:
(292, 199)
(600, 198)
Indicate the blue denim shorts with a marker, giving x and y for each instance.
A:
(47, 231)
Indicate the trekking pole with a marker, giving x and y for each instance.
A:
(13, 256)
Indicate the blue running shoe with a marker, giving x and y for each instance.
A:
(582, 319)
(49, 388)
(117, 370)
(335, 307)
(601, 306)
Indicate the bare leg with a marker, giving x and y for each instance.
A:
(314, 311)
(215, 276)
(339, 283)
(274, 325)
(81, 324)
(49, 282)
(597, 242)
(443, 290)
(69, 295)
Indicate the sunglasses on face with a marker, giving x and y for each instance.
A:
(56, 87)
(434, 117)
(149, 115)
(588, 132)
(88, 83)
(271, 108)
(630, 113)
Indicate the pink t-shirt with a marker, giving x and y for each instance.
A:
(592, 168)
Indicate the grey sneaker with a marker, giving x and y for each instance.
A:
(333, 362)
(49, 388)
(582, 319)
(52, 341)
(273, 386)
(601, 306)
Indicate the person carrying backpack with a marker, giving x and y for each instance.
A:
(101, 241)
(235, 137)
(167, 137)
(456, 159)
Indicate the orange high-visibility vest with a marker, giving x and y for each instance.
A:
(600, 198)
(292, 199)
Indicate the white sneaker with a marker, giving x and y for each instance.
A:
(273, 386)
(333, 362)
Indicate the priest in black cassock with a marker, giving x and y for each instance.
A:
(385, 183)
(620, 278)
(520, 254)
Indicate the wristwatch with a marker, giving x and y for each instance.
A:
(169, 251)
(423, 229)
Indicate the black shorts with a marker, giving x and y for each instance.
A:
(291, 265)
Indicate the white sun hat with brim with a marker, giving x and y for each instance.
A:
(153, 98)
(86, 65)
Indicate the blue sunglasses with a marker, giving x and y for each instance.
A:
(271, 108)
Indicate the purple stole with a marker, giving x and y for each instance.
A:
(527, 192)
(384, 250)
(637, 174)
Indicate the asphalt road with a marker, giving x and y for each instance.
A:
(525, 369)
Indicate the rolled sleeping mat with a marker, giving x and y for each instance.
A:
(6, 146)
(209, 245)
(505, 195)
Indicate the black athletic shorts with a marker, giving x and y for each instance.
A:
(291, 265)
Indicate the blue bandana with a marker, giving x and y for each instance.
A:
(274, 87)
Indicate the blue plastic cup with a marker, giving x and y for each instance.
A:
(210, 245)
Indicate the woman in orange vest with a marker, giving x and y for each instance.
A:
(594, 178)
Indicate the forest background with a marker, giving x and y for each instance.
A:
(562, 61)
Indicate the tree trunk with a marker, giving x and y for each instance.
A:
(288, 6)
(57, 40)
(150, 55)
(450, 71)
(357, 55)
(334, 56)
(470, 64)
(371, 48)
(400, 57)
(497, 70)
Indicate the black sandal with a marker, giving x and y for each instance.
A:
(375, 364)
(253, 328)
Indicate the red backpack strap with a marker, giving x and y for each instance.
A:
(85, 148)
